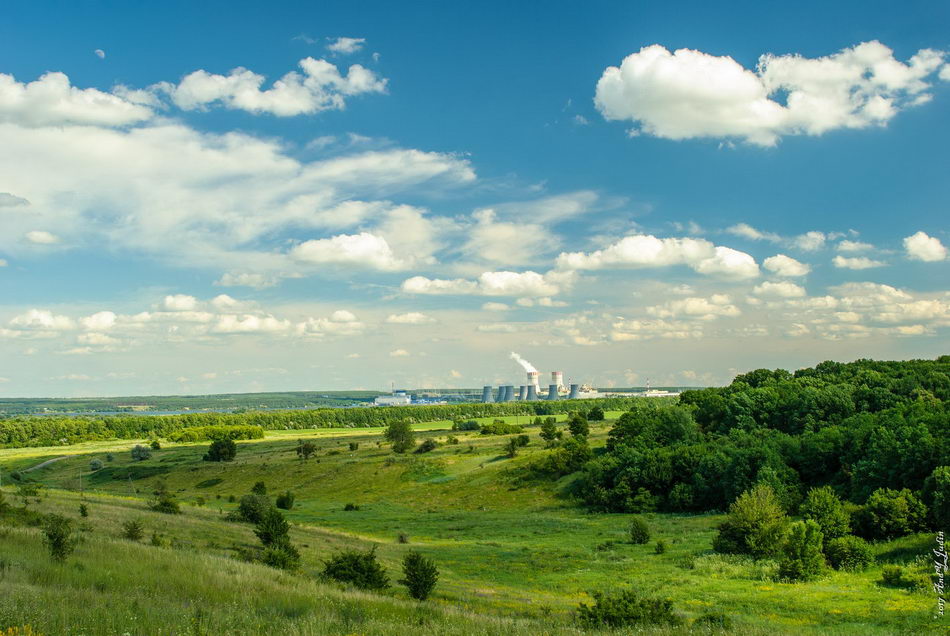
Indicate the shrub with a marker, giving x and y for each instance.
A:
(354, 446)
(83, 508)
(155, 444)
(511, 447)
(756, 524)
(95, 465)
(549, 432)
(133, 530)
(823, 506)
(420, 575)
(164, 502)
(360, 569)
(286, 500)
(427, 446)
(523, 440)
(801, 555)
(937, 489)
(851, 554)
(350, 507)
(451, 439)
(660, 547)
(400, 435)
(889, 514)
(894, 576)
(252, 508)
(259, 488)
(58, 537)
(109, 457)
(221, 450)
(403, 538)
(305, 449)
(281, 555)
(467, 425)
(217, 431)
(596, 414)
(157, 540)
(639, 531)
(578, 426)
(272, 528)
(498, 427)
(624, 608)
(569, 457)
(141, 453)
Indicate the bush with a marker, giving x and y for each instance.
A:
(305, 449)
(420, 575)
(889, 514)
(451, 439)
(58, 537)
(511, 447)
(282, 555)
(217, 431)
(83, 508)
(165, 502)
(499, 427)
(596, 414)
(221, 450)
(896, 576)
(259, 488)
(272, 528)
(823, 506)
(400, 435)
(354, 446)
(141, 453)
(427, 446)
(660, 547)
(756, 525)
(569, 457)
(714, 620)
(350, 507)
(578, 426)
(109, 457)
(95, 465)
(937, 490)
(252, 508)
(624, 608)
(155, 444)
(801, 555)
(639, 531)
(403, 538)
(286, 501)
(468, 425)
(549, 432)
(522, 440)
(359, 569)
(133, 530)
(851, 554)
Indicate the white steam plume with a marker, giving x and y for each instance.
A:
(524, 363)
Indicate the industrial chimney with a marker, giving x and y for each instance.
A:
(534, 379)
(557, 377)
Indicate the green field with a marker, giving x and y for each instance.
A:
(516, 555)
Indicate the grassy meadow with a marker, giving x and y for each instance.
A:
(516, 554)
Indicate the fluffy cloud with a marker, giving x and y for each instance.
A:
(41, 237)
(346, 46)
(399, 353)
(320, 86)
(785, 266)
(856, 262)
(180, 302)
(53, 101)
(411, 318)
(810, 241)
(781, 289)
(699, 308)
(853, 246)
(505, 243)
(503, 283)
(747, 231)
(688, 94)
(922, 247)
(42, 320)
(362, 250)
(644, 250)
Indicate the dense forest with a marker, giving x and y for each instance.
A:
(55, 430)
(861, 428)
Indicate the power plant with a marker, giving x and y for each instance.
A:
(531, 391)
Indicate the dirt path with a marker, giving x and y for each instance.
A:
(42, 464)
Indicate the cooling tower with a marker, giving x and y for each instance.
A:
(534, 379)
(557, 377)
(532, 393)
(486, 394)
(501, 393)
(575, 389)
(510, 389)
(552, 392)
(522, 393)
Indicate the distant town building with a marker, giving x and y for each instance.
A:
(398, 398)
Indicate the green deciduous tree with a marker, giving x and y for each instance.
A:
(823, 506)
(58, 537)
(756, 525)
(419, 575)
(802, 559)
(400, 435)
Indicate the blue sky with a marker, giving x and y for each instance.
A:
(624, 191)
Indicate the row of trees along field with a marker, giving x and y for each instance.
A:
(55, 430)
(869, 430)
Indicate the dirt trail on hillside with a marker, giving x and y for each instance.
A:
(42, 464)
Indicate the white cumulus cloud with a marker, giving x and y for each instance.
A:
(411, 318)
(783, 265)
(346, 46)
(780, 289)
(856, 262)
(922, 247)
